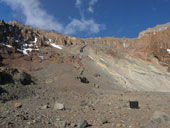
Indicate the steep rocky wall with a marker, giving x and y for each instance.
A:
(152, 43)
(22, 37)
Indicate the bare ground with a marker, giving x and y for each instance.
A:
(103, 102)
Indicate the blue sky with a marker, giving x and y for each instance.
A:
(88, 18)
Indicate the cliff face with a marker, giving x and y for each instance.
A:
(25, 38)
(154, 43)
(18, 41)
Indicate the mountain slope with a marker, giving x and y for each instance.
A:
(133, 64)
(53, 80)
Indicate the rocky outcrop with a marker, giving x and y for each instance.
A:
(8, 76)
(154, 43)
(14, 84)
(27, 39)
(158, 28)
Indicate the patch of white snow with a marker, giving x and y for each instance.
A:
(35, 40)
(56, 46)
(26, 50)
(168, 50)
(5, 44)
(103, 60)
(90, 57)
(16, 41)
(9, 46)
(50, 40)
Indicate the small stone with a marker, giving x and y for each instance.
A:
(52, 99)
(90, 107)
(82, 123)
(160, 117)
(96, 85)
(29, 123)
(73, 125)
(58, 119)
(44, 107)
(47, 122)
(83, 80)
(119, 125)
(59, 106)
(48, 81)
(17, 105)
(35, 121)
(60, 124)
(105, 121)
(83, 103)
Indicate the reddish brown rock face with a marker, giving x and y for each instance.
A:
(150, 45)
(154, 44)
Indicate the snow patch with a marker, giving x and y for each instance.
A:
(16, 41)
(26, 51)
(124, 45)
(35, 40)
(50, 40)
(7, 45)
(103, 60)
(168, 50)
(90, 57)
(56, 46)
(28, 45)
(41, 58)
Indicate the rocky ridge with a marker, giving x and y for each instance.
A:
(31, 49)
(153, 44)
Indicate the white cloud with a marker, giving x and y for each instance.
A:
(38, 17)
(78, 3)
(92, 2)
(90, 9)
(91, 5)
(34, 15)
(83, 25)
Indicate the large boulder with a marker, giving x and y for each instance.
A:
(8, 76)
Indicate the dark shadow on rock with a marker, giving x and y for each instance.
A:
(26, 79)
(5, 78)
(2, 91)
(13, 76)
(83, 80)
(169, 69)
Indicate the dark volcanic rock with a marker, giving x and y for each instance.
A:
(82, 123)
(25, 79)
(14, 76)
(12, 84)
(2, 91)
(5, 78)
(83, 80)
